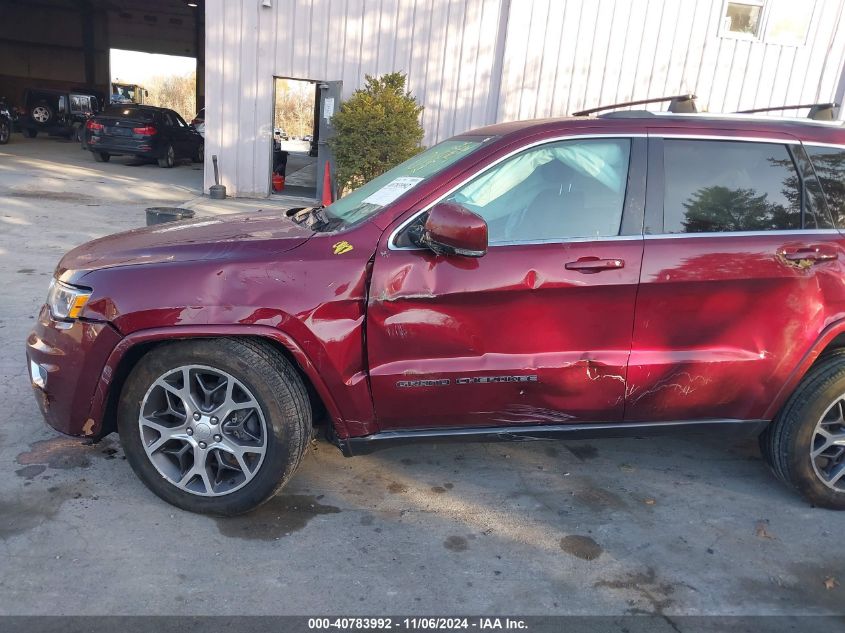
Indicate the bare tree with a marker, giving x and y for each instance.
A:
(294, 107)
(177, 92)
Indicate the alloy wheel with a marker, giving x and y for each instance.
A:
(171, 155)
(828, 446)
(40, 114)
(4, 133)
(203, 430)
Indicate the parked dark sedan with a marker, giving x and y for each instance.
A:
(143, 131)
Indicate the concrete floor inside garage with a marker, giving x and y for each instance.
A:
(664, 525)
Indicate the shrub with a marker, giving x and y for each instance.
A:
(376, 129)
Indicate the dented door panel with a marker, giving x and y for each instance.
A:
(723, 320)
(512, 337)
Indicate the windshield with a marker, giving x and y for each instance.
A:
(379, 192)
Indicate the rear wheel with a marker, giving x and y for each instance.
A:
(5, 132)
(101, 157)
(214, 426)
(805, 444)
(169, 157)
(30, 132)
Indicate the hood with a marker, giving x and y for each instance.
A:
(221, 237)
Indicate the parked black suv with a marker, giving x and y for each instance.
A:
(143, 131)
(57, 112)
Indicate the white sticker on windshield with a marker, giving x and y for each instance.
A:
(392, 190)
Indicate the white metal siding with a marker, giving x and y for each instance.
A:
(475, 62)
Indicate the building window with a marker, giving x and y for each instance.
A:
(784, 22)
(788, 22)
(743, 19)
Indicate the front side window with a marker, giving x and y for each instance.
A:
(569, 189)
(719, 186)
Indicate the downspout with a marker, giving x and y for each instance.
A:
(498, 63)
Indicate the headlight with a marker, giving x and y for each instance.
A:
(66, 302)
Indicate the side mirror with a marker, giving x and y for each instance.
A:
(454, 230)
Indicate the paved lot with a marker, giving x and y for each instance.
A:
(667, 526)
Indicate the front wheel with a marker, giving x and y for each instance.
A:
(168, 159)
(805, 444)
(5, 132)
(30, 132)
(214, 426)
(199, 154)
(101, 157)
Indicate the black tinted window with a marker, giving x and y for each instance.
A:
(816, 215)
(716, 186)
(829, 163)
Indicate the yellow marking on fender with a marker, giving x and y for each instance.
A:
(342, 247)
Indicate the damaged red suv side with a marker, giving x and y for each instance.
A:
(610, 276)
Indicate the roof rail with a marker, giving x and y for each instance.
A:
(818, 111)
(678, 103)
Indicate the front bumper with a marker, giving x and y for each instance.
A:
(66, 361)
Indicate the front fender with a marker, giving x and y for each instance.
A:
(109, 378)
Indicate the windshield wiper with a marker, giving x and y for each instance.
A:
(314, 218)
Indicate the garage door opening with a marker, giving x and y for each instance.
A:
(167, 81)
(301, 126)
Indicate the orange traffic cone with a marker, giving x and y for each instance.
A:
(327, 186)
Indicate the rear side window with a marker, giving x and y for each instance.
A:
(721, 186)
(829, 164)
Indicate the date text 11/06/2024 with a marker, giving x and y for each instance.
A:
(418, 623)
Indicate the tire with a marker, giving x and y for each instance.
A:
(5, 132)
(42, 113)
(281, 410)
(199, 155)
(101, 157)
(77, 133)
(808, 422)
(30, 132)
(169, 159)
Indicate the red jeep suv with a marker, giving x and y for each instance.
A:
(620, 275)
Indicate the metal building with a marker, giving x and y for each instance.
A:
(475, 62)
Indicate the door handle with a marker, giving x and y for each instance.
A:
(594, 264)
(812, 254)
